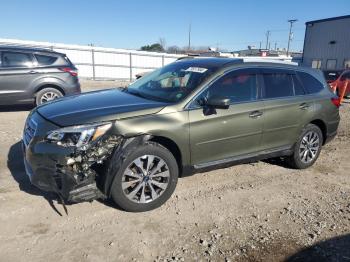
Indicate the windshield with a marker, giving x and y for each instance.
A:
(171, 83)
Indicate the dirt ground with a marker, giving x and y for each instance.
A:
(261, 211)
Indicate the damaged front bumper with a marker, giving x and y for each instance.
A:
(69, 172)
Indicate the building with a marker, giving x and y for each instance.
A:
(327, 43)
(265, 52)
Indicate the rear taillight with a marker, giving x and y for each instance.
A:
(72, 71)
(336, 101)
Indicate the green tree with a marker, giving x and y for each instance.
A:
(153, 48)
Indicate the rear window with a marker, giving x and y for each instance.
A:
(278, 85)
(45, 59)
(15, 59)
(311, 84)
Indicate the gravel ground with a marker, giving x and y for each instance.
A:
(261, 211)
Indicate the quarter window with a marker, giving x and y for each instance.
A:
(311, 84)
(45, 59)
(278, 85)
(237, 86)
(15, 59)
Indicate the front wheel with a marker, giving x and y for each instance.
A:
(146, 179)
(308, 148)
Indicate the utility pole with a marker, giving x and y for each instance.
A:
(291, 21)
(275, 45)
(260, 45)
(189, 38)
(267, 38)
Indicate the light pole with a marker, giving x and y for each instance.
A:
(267, 38)
(189, 38)
(291, 21)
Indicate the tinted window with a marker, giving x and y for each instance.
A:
(238, 86)
(14, 59)
(298, 88)
(311, 84)
(45, 59)
(278, 85)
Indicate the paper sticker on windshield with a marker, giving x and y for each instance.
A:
(196, 69)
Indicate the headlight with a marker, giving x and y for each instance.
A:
(78, 136)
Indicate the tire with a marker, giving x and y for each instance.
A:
(46, 95)
(138, 166)
(307, 149)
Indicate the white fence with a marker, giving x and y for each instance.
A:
(103, 63)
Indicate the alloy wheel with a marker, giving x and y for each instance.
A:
(145, 179)
(48, 96)
(309, 147)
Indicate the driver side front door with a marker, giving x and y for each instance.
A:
(226, 134)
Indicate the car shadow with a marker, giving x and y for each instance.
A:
(277, 161)
(334, 249)
(16, 166)
(16, 108)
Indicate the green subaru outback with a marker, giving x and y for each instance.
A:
(193, 115)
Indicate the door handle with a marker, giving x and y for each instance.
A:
(255, 114)
(304, 106)
(33, 72)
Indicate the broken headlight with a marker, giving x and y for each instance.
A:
(78, 136)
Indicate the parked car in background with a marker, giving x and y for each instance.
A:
(37, 76)
(341, 85)
(192, 115)
(331, 75)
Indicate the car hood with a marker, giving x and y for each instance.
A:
(97, 106)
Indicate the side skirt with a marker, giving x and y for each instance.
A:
(242, 159)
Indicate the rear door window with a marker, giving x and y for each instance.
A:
(277, 84)
(44, 60)
(16, 59)
(310, 83)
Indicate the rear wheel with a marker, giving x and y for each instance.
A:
(46, 95)
(308, 148)
(146, 179)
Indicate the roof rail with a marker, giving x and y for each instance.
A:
(277, 60)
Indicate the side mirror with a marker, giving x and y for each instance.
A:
(219, 102)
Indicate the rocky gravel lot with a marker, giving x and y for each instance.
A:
(260, 211)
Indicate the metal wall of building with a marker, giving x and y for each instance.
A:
(326, 40)
(103, 63)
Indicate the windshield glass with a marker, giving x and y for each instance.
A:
(171, 83)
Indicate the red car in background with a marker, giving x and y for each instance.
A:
(341, 86)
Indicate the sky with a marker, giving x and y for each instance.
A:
(227, 24)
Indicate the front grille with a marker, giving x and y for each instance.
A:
(29, 131)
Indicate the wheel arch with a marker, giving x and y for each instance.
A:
(172, 147)
(321, 125)
(55, 86)
(129, 143)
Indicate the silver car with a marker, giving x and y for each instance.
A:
(37, 76)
